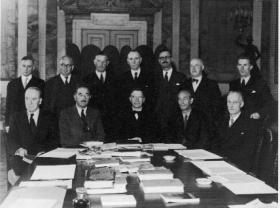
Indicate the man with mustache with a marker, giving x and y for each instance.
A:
(80, 123)
(168, 82)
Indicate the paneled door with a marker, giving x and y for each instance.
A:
(102, 38)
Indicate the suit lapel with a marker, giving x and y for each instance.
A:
(20, 84)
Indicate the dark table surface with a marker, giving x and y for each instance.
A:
(213, 196)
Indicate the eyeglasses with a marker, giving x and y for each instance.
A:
(164, 57)
(66, 65)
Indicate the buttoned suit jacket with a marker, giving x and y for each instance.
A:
(58, 96)
(72, 132)
(20, 136)
(197, 133)
(239, 142)
(15, 101)
(257, 96)
(166, 96)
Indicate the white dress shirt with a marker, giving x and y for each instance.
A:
(99, 74)
(25, 80)
(138, 71)
(169, 72)
(246, 79)
(196, 84)
(35, 116)
(64, 78)
(80, 110)
(233, 118)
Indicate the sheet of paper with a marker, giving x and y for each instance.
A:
(33, 203)
(234, 178)
(217, 168)
(198, 154)
(61, 153)
(256, 203)
(118, 200)
(51, 172)
(61, 183)
(250, 188)
(92, 144)
(39, 195)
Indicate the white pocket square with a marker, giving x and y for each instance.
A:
(177, 83)
(242, 133)
(253, 91)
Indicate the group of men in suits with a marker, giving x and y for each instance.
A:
(139, 105)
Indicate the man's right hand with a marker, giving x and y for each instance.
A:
(21, 152)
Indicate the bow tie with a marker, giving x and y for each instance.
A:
(195, 80)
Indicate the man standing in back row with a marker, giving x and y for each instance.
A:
(60, 89)
(168, 82)
(257, 97)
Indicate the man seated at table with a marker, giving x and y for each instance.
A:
(237, 134)
(80, 123)
(136, 122)
(189, 126)
(31, 131)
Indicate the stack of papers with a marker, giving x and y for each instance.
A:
(51, 172)
(156, 174)
(233, 178)
(109, 146)
(90, 144)
(135, 159)
(119, 186)
(34, 197)
(58, 183)
(129, 146)
(111, 162)
(61, 153)
(198, 154)
(179, 198)
(165, 147)
(217, 168)
(118, 200)
(163, 186)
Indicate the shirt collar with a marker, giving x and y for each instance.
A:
(134, 71)
(235, 116)
(198, 78)
(186, 113)
(63, 78)
(98, 73)
(80, 110)
(169, 72)
(24, 77)
(35, 115)
(246, 79)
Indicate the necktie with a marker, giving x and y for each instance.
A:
(83, 117)
(166, 76)
(185, 120)
(32, 124)
(66, 81)
(135, 76)
(231, 121)
(195, 80)
(25, 82)
(243, 83)
(101, 78)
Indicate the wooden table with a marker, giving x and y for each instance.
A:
(214, 196)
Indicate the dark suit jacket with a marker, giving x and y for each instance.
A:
(15, 95)
(129, 126)
(238, 143)
(20, 135)
(197, 133)
(207, 97)
(257, 96)
(166, 95)
(103, 98)
(58, 95)
(125, 83)
(71, 128)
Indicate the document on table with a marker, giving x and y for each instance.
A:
(61, 183)
(163, 146)
(217, 168)
(250, 188)
(234, 178)
(198, 154)
(34, 197)
(118, 200)
(51, 172)
(256, 203)
(61, 153)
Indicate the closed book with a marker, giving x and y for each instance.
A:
(163, 186)
(157, 174)
(118, 200)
